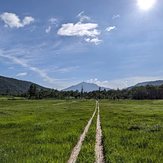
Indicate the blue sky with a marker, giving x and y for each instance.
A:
(57, 43)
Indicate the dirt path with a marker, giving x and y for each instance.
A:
(77, 148)
(99, 147)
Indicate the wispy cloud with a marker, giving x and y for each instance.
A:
(22, 74)
(48, 29)
(63, 69)
(49, 81)
(83, 17)
(110, 28)
(13, 21)
(23, 63)
(96, 40)
(116, 16)
(51, 23)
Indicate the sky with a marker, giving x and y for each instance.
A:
(58, 43)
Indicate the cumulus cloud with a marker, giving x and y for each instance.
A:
(22, 74)
(27, 20)
(83, 28)
(100, 83)
(13, 21)
(87, 30)
(79, 29)
(110, 28)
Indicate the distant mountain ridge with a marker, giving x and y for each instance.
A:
(11, 86)
(153, 83)
(87, 87)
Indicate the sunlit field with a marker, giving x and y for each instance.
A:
(47, 130)
(132, 131)
(41, 131)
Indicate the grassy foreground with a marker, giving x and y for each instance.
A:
(41, 131)
(132, 131)
(47, 130)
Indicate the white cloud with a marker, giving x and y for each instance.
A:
(100, 83)
(110, 28)
(47, 30)
(79, 29)
(96, 41)
(116, 16)
(83, 17)
(87, 30)
(22, 74)
(27, 20)
(13, 21)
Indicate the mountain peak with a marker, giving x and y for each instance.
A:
(87, 87)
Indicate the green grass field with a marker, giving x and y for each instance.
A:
(47, 130)
(41, 131)
(133, 131)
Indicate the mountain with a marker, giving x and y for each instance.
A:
(11, 86)
(153, 83)
(87, 87)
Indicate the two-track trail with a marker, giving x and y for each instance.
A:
(77, 148)
(98, 146)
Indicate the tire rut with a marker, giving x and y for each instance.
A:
(76, 150)
(99, 146)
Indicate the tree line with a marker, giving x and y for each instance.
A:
(137, 93)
